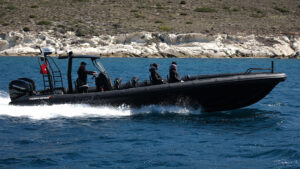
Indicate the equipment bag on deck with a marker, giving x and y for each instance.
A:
(44, 69)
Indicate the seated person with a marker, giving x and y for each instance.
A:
(155, 76)
(174, 76)
(82, 78)
(103, 83)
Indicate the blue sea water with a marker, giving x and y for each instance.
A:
(264, 135)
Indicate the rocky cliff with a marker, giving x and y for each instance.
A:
(147, 44)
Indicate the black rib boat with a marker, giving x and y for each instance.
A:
(210, 92)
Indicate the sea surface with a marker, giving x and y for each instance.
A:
(263, 135)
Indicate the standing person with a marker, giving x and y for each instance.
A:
(174, 76)
(155, 76)
(82, 77)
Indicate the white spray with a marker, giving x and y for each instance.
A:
(43, 112)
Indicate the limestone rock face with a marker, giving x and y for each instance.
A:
(149, 44)
(296, 45)
(3, 45)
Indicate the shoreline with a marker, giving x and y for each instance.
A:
(105, 57)
(153, 45)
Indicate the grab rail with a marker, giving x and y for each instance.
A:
(271, 69)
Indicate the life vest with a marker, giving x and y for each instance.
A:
(43, 69)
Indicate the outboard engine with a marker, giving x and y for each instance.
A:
(21, 87)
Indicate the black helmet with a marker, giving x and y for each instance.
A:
(174, 63)
(155, 65)
(82, 63)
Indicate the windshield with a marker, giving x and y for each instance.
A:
(100, 67)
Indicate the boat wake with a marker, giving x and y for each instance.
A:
(44, 112)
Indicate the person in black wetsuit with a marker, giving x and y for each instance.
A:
(82, 77)
(155, 76)
(174, 76)
(103, 83)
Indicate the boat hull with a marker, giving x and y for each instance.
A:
(211, 94)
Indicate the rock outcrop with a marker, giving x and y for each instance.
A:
(147, 44)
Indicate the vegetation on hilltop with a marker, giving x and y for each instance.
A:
(94, 17)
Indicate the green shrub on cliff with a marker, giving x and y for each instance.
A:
(2, 13)
(236, 9)
(34, 6)
(258, 14)
(205, 9)
(158, 21)
(11, 7)
(133, 10)
(61, 26)
(158, 6)
(26, 29)
(280, 9)
(165, 28)
(44, 23)
(182, 2)
(80, 0)
(137, 15)
(229, 9)
(183, 14)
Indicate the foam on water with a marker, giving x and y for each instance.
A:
(43, 112)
